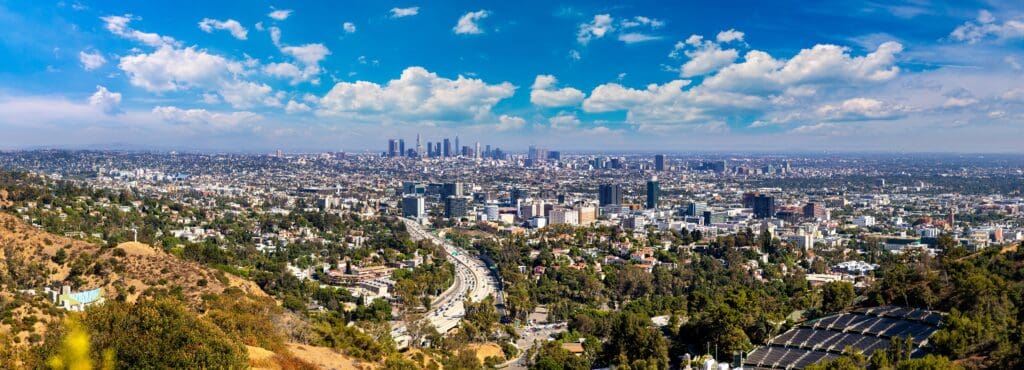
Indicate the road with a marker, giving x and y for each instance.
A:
(472, 279)
(529, 336)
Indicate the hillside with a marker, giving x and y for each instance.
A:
(32, 258)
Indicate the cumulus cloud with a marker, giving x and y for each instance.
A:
(91, 61)
(564, 121)
(418, 95)
(509, 123)
(729, 35)
(821, 64)
(107, 101)
(280, 14)
(857, 109)
(705, 56)
(118, 25)
(236, 29)
(349, 27)
(405, 12)
(595, 29)
(544, 93)
(171, 69)
(469, 23)
(203, 117)
(308, 55)
(986, 26)
(296, 107)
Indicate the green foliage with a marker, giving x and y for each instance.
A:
(161, 333)
(836, 296)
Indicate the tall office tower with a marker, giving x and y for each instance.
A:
(555, 155)
(430, 149)
(280, 154)
(814, 210)
(487, 151)
(447, 148)
(413, 206)
(457, 147)
(609, 194)
(451, 189)
(659, 162)
(764, 206)
(696, 208)
(748, 199)
(517, 194)
(419, 147)
(392, 148)
(653, 188)
(476, 153)
(616, 163)
(455, 207)
(401, 147)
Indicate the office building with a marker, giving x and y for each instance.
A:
(401, 147)
(764, 206)
(814, 210)
(392, 148)
(451, 189)
(696, 209)
(609, 194)
(659, 162)
(413, 206)
(455, 206)
(653, 188)
(447, 150)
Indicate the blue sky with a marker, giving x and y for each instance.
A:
(672, 76)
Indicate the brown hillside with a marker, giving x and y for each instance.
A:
(27, 261)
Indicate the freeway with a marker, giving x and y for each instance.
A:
(472, 280)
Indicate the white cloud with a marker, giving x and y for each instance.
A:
(508, 123)
(405, 12)
(595, 29)
(564, 120)
(1013, 95)
(1013, 63)
(418, 95)
(705, 58)
(203, 117)
(574, 55)
(467, 24)
(959, 102)
(230, 25)
(107, 101)
(118, 25)
(543, 93)
(729, 35)
(296, 107)
(281, 14)
(985, 27)
(857, 109)
(170, 69)
(641, 21)
(818, 129)
(821, 64)
(635, 37)
(91, 61)
(309, 55)
(349, 27)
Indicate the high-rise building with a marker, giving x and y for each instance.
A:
(413, 206)
(447, 148)
(401, 147)
(392, 148)
(449, 189)
(555, 155)
(476, 153)
(653, 188)
(814, 210)
(609, 194)
(419, 147)
(457, 147)
(659, 162)
(455, 207)
(696, 209)
(517, 194)
(764, 206)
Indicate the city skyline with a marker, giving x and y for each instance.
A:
(574, 76)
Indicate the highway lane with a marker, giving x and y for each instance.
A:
(472, 279)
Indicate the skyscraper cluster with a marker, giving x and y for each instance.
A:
(442, 149)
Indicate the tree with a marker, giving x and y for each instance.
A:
(836, 296)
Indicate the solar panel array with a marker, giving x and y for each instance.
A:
(866, 330)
